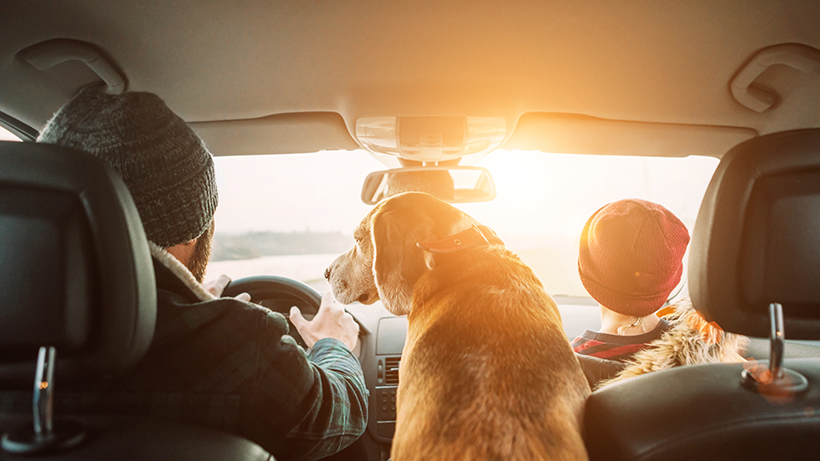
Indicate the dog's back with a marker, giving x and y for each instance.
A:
(488, 372)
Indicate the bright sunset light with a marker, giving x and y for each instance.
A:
(543, 201)
(537, 193)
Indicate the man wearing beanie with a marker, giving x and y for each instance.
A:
(630, 259)
(218, 362)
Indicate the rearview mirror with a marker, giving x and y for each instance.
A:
(454, 184)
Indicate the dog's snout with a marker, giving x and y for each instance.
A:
(327, 273)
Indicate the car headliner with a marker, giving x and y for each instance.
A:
(261, 76)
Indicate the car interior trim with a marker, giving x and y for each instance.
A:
(48, 54)
(570, 133)
(277, 134)
(18, 128)
(316, 131)
(798, 56)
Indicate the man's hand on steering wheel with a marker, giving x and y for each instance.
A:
(330, 322)
(215, 287)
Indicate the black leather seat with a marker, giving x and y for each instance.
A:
(76, 277)
(756, 242)
(598, 369)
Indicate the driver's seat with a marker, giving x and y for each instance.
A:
(77, 309)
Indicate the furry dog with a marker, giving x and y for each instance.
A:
(690, 340)
(486, 372)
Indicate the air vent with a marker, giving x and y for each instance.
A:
(391, 368)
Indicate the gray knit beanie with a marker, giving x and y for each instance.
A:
(166, 166)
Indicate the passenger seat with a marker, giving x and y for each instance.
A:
(755, 254)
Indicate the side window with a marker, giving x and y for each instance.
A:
(6, 135)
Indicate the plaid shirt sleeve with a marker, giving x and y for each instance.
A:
(325, 392)
(339, 417)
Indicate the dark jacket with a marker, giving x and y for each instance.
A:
(229, 365)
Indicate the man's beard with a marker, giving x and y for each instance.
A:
(202, 254)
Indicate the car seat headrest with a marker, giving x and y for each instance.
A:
(75, 269)
(757, 237)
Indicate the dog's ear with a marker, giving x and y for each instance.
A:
(397, 261)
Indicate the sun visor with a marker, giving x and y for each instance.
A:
(580, 134)
(277, 134)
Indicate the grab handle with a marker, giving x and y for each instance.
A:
(48, 54)
(800, 57)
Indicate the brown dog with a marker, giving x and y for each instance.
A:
(486, 372)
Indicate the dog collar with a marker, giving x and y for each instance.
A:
(476, 235)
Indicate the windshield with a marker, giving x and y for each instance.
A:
(292, 215)
(6, 135)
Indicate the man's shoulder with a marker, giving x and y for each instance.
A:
(215, 346)
(178, 303)
(220, 313)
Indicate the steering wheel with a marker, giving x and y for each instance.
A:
(278, 294)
